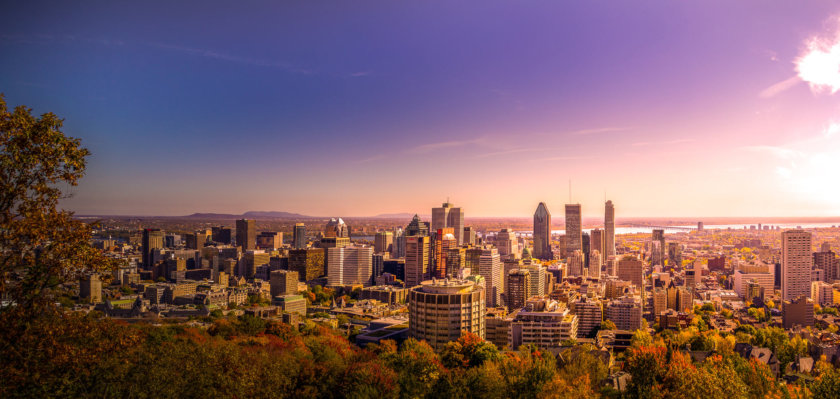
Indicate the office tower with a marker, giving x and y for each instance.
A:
(433, 318)
(377, 266)
(542, 233)
(595, 265)
(827, 261)
(336, 228)
(518, 288)
(538, 276)
(657, 247)
(505, 242)
(699, 226)
(576, 264)
(632, 270)
(90, 288)
(679, 298)
(609, 230)
(469, 236)
(762, 274)
(299, 236)
(796, 264)
(448, 216)
(152, 239)
(349, 265)
(597, 242)
(309, 263)
(291, 304)
(416, 259)
(798, 312)
(586, 248)
(574, 239)
(395, 267)
(221, 235)
(543, 323)
(283, 282)
(444, 241)
(660, 301)
(383, 242)
(490, 267)
(416, 228)
(252, 259)
(625, 313)
(456, 259)
(246, 234)
(196, 240)
(398, 247)
(590, 314)
(269, 240)
(675, 254)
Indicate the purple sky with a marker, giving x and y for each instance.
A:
(713, 108)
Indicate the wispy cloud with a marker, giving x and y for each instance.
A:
(199, 52)
(585, 132)
(445, 144)
(780, 87)
(669, 142)
(780, 152)
(561, 158)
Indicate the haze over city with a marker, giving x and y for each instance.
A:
(364, 108)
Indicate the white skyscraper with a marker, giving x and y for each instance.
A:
(349, 265)
(490, 267)
(796, 264)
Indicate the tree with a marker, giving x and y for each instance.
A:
(607, 325)
(41, 246)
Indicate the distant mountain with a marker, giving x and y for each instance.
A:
(250, 215)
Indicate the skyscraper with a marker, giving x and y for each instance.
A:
(398, 247)
(574, 239)
(152, 239)
(657, 247)
(597, 241)
(796, 264)
(383, 241)
(299, 236)
(269, 240)
(433, 318)
(349, 265)
(505, 241)
(416, 260)
(490, 267)
(444, 241)
(416, 228)
(336, 228)
(517, 288)
(542, 233)
(632, 270)
(609, 231)
(448, 216)
(246, 234)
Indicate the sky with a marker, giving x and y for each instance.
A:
(668, 108)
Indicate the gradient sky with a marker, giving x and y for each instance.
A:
(353, 108)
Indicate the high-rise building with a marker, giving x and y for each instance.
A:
(283, 282)
(574, 238)
(90, 288)
(796, 264)
(505, 242)
(444, 241)
(595, 264)
(544, 323)
(542, 233)
(597, 242)
(432, 316)
(383, 241)
(349, 265)
(632, 270)
(269, 240)
(309, 263)
(827, 261)
(490, 267)
(675, 254)
(657, 247)
(416, 259)
(196, 240)
(609, 230)
(253, 259)
(221, 234)
(590, 313)
(538, 275)
(798, 312)
(518, 288)
(398, 247)
(336, 228)
(417, 228)
(625, 313)
(576, 264)
(448, 216)
(152, 239)
(246, 234)
(299, 236)
(469, 236)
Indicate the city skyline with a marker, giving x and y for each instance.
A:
(668, 109)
